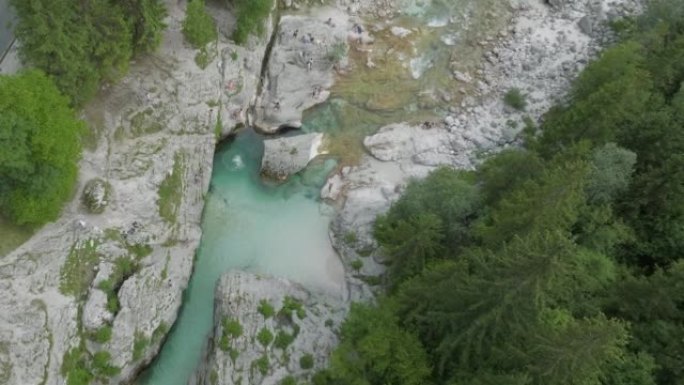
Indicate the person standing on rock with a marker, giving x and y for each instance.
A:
(309, 64)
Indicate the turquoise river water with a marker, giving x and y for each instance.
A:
(251, 226)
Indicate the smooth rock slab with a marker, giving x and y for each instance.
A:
(286, 156)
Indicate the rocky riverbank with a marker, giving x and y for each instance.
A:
(93, 288)
(545, 46)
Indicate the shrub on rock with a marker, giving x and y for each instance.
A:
(96, 195)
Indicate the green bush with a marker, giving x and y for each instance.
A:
(232, 327)
(283, 340)
(262, 364)
(265, 337)
(101, 365)
(102, 334)
(292, 305)
(514, 98)
(306, 362)
(199, 27)
(357, 264)
(251, 15)
(266, 309)
(39, 148)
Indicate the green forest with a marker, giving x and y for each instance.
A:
(555, 263)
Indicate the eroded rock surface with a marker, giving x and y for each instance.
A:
(267, 329)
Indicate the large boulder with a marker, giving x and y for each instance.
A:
(301, 68)
(267, 329)
(286, 156)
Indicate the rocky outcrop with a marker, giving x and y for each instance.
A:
(267, 329)
(301, 68)
(289, 155)
(113, 282)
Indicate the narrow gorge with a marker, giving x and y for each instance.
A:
(238, 199)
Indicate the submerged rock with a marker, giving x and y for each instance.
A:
(266, 329)
(286, 156)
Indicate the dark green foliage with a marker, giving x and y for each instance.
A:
(231, 329)
(81, 44)
(429, 222)
(265, 337)
(306, 362)
(283, 340)
(262, 364)
(199, 27)
(102, 334)
(292, 306)
(39, 148)
(251, 16)
(556, 264)
(515, 98)
(374, 347)
(266, 309)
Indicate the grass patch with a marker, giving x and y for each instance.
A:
(160, 332)
(289, 380)
(171, 190)
(350, 238)
(77, 272)
(140, 344)
(144, 123)
(514, 98)
(123, 268)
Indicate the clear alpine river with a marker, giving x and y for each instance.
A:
(282, 230)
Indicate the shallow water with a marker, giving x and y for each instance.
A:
(412, 77)
(248, 225)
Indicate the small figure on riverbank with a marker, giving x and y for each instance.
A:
(309, 64)
(296, 32)
(276, 105)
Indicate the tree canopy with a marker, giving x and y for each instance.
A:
(84, 43)
(556, 263)
(39, 148)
